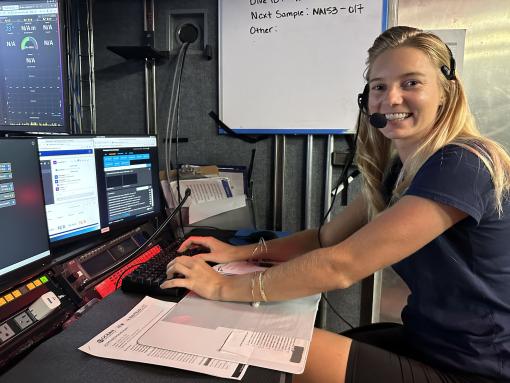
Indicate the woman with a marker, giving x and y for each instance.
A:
(434, 205)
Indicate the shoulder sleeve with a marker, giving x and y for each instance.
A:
(456, 177)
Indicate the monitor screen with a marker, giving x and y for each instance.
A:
(32, 91)
(95, 184)
(127, 177)
(23, 231)
(68, 170)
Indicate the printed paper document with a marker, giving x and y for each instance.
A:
(274, 335)
(120, 341)
(209, 197)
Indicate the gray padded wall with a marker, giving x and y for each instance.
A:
(199, 96)
(120, 95)
(120, 98)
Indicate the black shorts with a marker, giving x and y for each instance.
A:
(379, 353)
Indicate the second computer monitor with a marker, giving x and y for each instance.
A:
(70, 189)
(95, 184)
(127, 178)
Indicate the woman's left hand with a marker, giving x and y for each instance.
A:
(199, 277)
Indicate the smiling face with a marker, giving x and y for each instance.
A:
(404, 86)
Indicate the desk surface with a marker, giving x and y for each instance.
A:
(59, 360)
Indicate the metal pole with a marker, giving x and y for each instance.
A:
(329, 176)
(92, 76)
(278, 181)
(323, 309)
(372, 285)
(148, 26)
(79, 76)
(308, 182)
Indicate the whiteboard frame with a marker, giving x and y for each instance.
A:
(275, 131)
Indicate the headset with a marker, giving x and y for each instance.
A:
(449, 73)
(378, 120)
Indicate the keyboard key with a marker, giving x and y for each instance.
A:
(147, 278)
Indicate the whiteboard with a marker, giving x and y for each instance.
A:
(294, 66)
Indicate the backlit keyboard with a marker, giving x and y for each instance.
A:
(147, 277)
(111, 283)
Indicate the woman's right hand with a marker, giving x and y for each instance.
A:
(219, 252)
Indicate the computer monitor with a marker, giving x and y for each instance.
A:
(33, 95)
(23, 230)
(95, 184)
(68, 168)
(127, 177)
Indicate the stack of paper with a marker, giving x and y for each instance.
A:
(216, 338)
(210, 195)
(120, 341)
(272, 335)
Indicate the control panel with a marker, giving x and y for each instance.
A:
(30, 312)
(38, 307)
(74, 273)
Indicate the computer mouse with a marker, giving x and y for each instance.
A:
(266, 234)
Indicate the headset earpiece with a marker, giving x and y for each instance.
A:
(449, 73)
(363, 99)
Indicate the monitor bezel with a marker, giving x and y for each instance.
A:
(66, 127)
(24, 273)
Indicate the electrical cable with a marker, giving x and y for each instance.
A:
(177, 110)
(343, 176)
(169, 123)
(124, 272)
(167, 141)
(341, 179)
(174, 96)
(172, 109)
(336, 312)
(178, 74)
(73, 75)
(137, 251)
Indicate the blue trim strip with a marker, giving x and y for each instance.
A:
(290, 131)
(68, 234)
(384, 25)
(64, 152)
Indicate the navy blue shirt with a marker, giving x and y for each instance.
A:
(458, 313)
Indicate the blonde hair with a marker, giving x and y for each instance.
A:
(454, 125)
